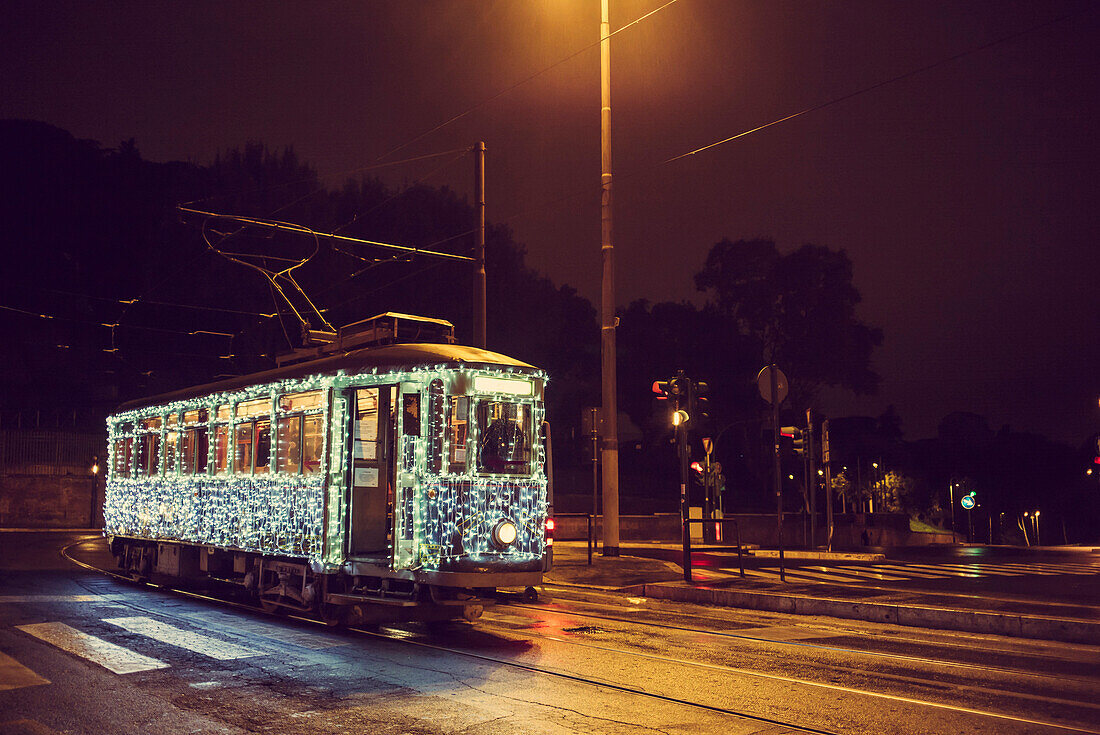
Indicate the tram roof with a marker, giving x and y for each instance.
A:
(356, 361)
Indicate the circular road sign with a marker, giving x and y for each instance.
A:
(764, 384)
(967, 502)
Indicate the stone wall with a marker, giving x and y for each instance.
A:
(50, 501)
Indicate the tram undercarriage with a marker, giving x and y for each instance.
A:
(368, 596)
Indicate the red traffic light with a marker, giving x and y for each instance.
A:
(660, 387)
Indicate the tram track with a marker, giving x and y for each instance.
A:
(402, 637)
(886, 655)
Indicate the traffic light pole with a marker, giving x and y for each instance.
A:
(778, 469)
(682, 451)
(825, 460)
(811, 477)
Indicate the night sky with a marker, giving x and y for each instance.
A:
(965, 195)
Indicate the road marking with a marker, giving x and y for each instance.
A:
(14, 675)
(50, 598)
(173, 636)
(108, 655)
(870, 573)
(918, 573)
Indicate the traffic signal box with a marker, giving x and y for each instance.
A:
(797, 437)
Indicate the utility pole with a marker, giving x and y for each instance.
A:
(778, 468)
(480, 330)
(610, 451)
(825, 459)
(811, 476)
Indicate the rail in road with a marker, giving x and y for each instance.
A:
(805, 678)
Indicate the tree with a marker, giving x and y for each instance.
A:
(800, 310)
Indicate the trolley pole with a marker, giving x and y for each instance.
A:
(480, 330)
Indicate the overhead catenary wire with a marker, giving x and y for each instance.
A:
(521, 82)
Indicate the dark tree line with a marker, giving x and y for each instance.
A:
(92, 238)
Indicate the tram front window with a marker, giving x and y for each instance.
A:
(504, 437)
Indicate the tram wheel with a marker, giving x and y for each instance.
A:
(530, 595)
(271, 607)
(334, 616)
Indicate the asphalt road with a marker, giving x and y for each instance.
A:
(575, 663)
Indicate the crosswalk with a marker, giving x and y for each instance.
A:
(112, 641)
(906, 571)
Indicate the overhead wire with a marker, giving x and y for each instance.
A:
(877, 85)
(523, 81)
(551, 204)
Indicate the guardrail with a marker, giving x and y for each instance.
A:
(710, 547)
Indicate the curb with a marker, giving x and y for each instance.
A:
(1067, 630)
(830, 555)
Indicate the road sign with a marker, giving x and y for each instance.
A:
(966, 502)
(764, 384)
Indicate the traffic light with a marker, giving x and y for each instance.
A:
(679, 392)
(697, 401)
(660, 387)
(798, 439)
(698, 472)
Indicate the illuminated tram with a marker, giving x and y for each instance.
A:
(379, 478)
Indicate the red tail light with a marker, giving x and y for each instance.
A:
(550, 528)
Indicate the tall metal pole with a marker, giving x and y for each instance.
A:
(778, 468)
(610, 453)
(825, 461)
(811, 476)
(951, 502)
(480, 330)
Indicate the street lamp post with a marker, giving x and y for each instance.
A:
(610, 434)
(1036, 518)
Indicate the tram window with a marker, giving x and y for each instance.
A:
(197, 416)
(458, 433)
(221, 449)
(309, 400)
(193, 450)
(504, 437)
(242, 462)
(312, 443)
(151, 424)
(436, 404)
(366, 423)
(148, 446)
(223, 412)
(255, 407)
(263, 447)
(187, 452)
(410, 414)
(202, 449)
(123, 448)
(288, 446)
(171, 442)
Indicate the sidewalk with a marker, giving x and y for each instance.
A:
(637, 573)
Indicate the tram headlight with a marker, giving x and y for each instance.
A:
(505, 534)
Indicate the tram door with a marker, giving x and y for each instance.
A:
(372, 442)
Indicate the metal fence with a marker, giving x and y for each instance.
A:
(51, 451)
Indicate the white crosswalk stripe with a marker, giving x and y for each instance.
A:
(110, 656)
(14, 675)
(190, 640)
(908, 571)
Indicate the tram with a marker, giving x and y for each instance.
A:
(389, 475)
